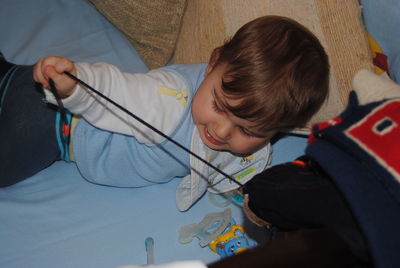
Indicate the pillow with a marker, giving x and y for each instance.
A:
(207, 24)
(382, 20)
(151, 26)
(379, 58)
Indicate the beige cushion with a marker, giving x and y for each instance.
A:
(337, 23)
(152, 26)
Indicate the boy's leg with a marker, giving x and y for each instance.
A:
(28, 141)
(4, 66)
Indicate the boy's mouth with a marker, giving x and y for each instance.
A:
(211, 138)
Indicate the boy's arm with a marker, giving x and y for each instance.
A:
(138, 93)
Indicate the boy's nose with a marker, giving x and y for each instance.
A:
(223, 130)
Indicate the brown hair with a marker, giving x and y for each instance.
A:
(277, 69)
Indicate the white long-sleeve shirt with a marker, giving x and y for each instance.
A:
(111, 148)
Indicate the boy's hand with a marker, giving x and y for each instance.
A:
(54, 67)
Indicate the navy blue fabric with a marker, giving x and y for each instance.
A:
(4, 67)
(371, 190)
(27, 127)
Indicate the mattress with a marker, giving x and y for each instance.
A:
(58, 219)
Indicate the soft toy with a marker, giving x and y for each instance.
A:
(348, 179)
(379, 58)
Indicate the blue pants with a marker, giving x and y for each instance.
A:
(28, 136)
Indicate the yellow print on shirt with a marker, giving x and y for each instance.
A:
(180, 95)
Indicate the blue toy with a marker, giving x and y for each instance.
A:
(233, 241)
(220, 232)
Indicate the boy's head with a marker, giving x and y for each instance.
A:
(273, 75)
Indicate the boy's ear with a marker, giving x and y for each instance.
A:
(213, 60)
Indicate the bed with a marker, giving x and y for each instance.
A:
(58, 219)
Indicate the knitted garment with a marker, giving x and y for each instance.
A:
(360, 151)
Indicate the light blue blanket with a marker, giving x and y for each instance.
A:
(56, 218)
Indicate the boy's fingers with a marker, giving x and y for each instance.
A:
(38, 75)
(52, 73)
(49, 72)
(53, 67)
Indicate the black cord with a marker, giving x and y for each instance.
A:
(64, 126)
(151, 127)
(58, 99)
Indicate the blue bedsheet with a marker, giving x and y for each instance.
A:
(58, 219)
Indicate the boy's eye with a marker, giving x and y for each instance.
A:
(216, 108)
(246, 132)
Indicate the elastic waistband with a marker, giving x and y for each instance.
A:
(63, 134)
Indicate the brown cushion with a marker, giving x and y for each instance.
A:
(152, 26)
(337, 23)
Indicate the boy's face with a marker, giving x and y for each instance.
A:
(219, 129)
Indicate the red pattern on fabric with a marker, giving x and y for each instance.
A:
(378, 134)
(320, 126)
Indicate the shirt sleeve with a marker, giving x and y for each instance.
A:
(159, 97)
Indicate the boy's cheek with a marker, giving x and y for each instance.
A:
(249, 146)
